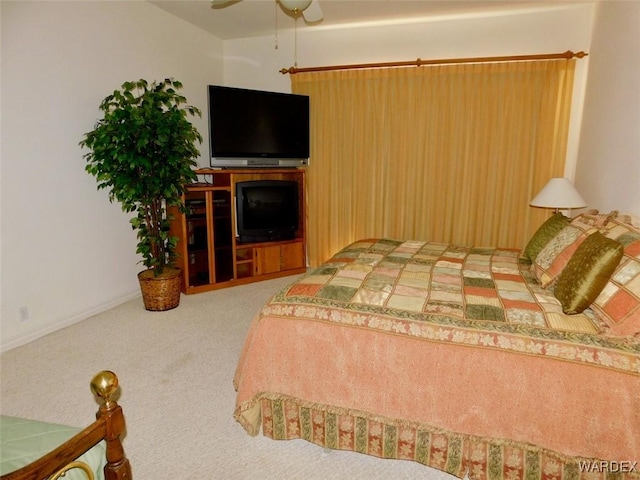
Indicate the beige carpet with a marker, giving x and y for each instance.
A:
(175, 370)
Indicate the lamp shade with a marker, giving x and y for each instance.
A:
(558, 193)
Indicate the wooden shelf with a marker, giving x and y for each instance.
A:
(210, 255)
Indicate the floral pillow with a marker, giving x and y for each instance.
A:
(596, 219)
(619, 227)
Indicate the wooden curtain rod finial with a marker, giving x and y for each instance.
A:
(419, 62)
(569, 54)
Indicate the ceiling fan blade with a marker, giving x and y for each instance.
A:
(222, 3)
(313, 13)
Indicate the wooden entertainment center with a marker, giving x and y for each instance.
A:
(209, 253)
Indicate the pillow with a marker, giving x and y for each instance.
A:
(552, 259)
(549, 229)
(621, 228)
(587, 272)
(595, 219)
(618, 304)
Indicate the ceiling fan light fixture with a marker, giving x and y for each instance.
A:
(295, 5)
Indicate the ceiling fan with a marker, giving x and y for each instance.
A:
(310, 9)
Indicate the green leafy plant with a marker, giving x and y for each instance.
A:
(143, 151)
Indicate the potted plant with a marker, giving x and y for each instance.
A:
(143, 151)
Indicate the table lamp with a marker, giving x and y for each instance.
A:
(558, 194)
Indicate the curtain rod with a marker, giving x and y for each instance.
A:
(417, 63)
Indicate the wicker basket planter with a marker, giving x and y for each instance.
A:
(162, 292)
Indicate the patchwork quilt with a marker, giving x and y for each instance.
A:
(439, 280)
(472, 296)
(448, 355)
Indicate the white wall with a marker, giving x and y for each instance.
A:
(255, 63)
(608, 174)
(67, 252)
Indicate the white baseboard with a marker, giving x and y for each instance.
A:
(30, 337)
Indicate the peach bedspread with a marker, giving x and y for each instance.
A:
(465, 395)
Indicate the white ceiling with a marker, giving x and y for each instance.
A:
(255, 18)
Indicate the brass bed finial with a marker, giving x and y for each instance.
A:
(104, 385)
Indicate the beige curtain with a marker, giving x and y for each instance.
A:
(448, 153)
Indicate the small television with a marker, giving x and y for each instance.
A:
(266, 210)
(254, 128)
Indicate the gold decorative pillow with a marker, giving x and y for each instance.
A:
(587, 272)
(555, 255)
(549, 229)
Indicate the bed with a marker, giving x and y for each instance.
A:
(484, 362)
(34, 450)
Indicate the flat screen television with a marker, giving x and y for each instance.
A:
(266, 210)
(254, 128)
